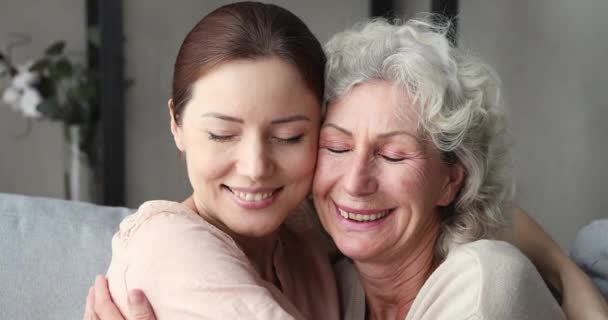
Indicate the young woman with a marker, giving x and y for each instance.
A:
(245, 112)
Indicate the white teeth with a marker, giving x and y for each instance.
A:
(362, 217)
(252, 196)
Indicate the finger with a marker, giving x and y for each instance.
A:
(139, 307)
(89, 312)
(104, 306)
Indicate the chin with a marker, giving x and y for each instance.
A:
(355, 249)
(256, 230)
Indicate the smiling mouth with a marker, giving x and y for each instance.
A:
(253, 195)
(364, 217)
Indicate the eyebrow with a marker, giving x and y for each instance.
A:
(297, 117)
(383, 135)
(223, 117)
(397, 133)
(331, 125)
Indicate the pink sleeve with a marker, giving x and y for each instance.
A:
(190, 270)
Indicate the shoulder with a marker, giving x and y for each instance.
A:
(164, 236)
(489, 280)
(159, 218)
(503, 259)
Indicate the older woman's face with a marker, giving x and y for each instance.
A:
(378, 184)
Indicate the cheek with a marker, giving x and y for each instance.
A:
(414, 178)
(204, 166)
(326, 174)
(295, 163)
(298, 163)
(411, 179)
(420, 181)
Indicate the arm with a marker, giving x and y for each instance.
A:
(580, 299)
(189, 270)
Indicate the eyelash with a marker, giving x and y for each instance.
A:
(338, 151)
(219, 138)
(292, 140)
(389, 159)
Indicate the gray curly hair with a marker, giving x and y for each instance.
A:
(459, 111)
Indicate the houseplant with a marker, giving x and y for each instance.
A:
(55, 87)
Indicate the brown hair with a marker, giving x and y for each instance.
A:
(246, 30)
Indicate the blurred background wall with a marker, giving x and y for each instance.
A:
(551, 55)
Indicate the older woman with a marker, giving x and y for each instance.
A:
(410, 176)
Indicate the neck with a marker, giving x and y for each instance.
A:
(392, 282)
(259, 250)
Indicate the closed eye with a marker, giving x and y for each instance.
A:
(334, 150)
(220, 138)
(291, 140)
(392, 159)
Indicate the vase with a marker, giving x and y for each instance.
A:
(80, 177)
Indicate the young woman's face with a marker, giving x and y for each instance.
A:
(249, 135)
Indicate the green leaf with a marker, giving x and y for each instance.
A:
(46, 86)
(85, 91)
(40, 65)
(55, 49)
(63, 68)
(50, 109)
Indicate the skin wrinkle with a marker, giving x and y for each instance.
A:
(408, 277)
(396, 256)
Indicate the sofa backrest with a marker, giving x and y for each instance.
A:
(590, 252)
(50, 252)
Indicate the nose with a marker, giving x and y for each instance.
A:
(360, 179)
(255, 161)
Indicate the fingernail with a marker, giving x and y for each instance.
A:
(136, 296)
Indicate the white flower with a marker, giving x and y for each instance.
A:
(24, 77)
(11, 96)
(29, 103)
(20, 94)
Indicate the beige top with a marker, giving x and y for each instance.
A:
(191, 270)
(482, 280)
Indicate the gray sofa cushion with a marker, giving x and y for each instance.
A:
(590, 252)
(50, 252)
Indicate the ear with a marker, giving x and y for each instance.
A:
(176, 130)
(452, 184)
